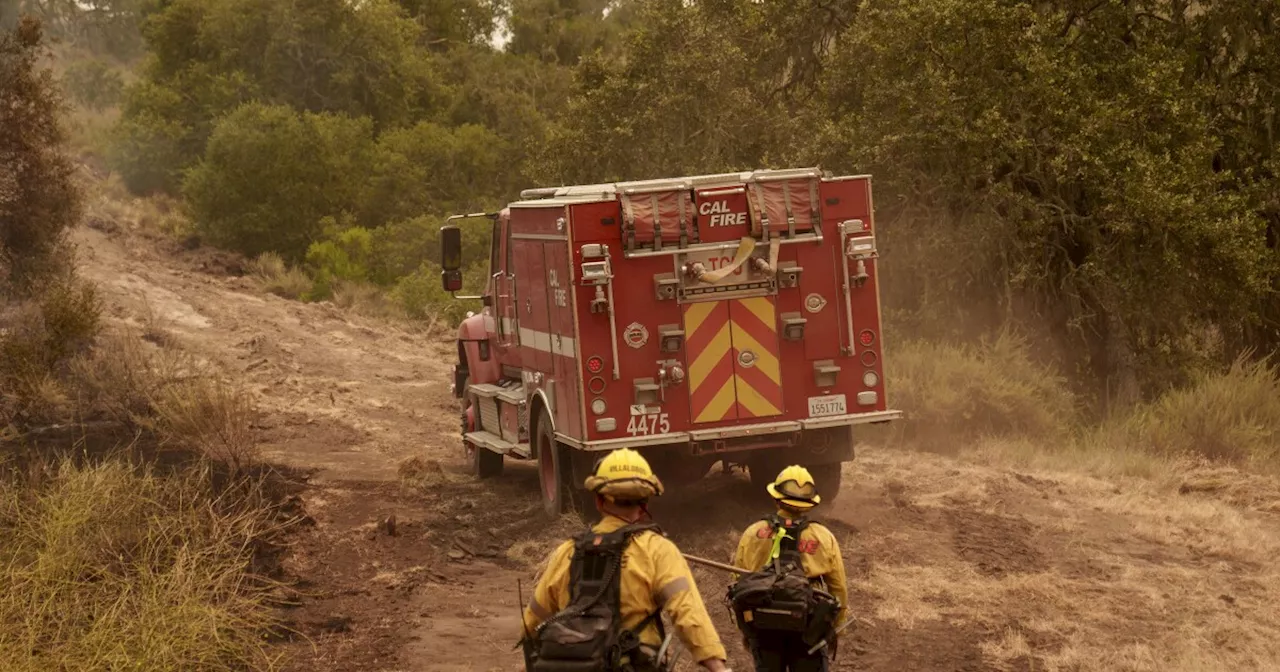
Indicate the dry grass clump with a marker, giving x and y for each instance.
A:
(952, 391)
(209, 416)
(1231, 416)
(165, 391)
(37, 338)
(277, 277)
(368, 300)
(110, 567)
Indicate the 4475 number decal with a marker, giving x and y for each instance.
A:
(653, 423)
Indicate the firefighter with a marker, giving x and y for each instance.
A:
(653, 578)
(795, 493)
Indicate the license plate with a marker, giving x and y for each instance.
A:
(828, 405)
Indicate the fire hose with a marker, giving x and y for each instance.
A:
(745, 247)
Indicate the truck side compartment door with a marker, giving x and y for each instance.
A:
(560, 278)
(531, 305)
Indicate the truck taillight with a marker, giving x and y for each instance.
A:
(595, 364)
(866, 338)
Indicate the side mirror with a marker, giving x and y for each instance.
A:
(451, 258)
(450, 248)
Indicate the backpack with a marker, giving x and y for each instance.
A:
(779, 598)
(587, 634)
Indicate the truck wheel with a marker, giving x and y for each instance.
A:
(762, 469)
(551, 467)
(484, 462)
(582, 500)
(828, 477)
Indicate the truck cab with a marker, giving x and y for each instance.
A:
(730, 318)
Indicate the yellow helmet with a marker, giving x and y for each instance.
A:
(795, 488)
(624, 474)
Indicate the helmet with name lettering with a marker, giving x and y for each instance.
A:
(794, 487)
(624, 475)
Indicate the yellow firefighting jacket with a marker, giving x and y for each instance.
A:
(654, 575)
(819, 556)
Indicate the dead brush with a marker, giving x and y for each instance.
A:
(38, 337)
(168, 393)
(1231, 416)
(120, 375)
(110, 566)
(960, 391)
(208, 415)
(277, 277)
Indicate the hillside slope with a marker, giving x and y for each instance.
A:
(956, 565)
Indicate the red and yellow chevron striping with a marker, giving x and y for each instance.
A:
(733, 364)
(758, 376)
(711, 380)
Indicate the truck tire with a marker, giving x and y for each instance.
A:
(484, 462)
(582, 500)
(829, 476)
(552, 467)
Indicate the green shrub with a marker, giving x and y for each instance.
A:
(150, 152)
(953, 391)
(270, 175)
(429, 168)
(421, 296)
(344, 256)
(38, 194)
(401, 248)
(208, 57)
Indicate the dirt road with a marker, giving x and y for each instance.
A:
(956, 565)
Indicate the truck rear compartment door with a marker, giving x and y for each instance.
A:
(734, 372)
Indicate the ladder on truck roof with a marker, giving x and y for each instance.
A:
(611, 189)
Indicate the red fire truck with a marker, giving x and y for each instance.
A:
(729, 318)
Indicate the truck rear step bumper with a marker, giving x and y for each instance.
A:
(733, 431)
(498, 444)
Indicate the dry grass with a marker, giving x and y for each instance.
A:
(110, 567)
(994, 403)
(1233, 416)
(1093, 574)
(37, 339)
(952, 392)
(110, 208)
(209, 416)
(368, 300)
(277, 277)
(165, 391)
